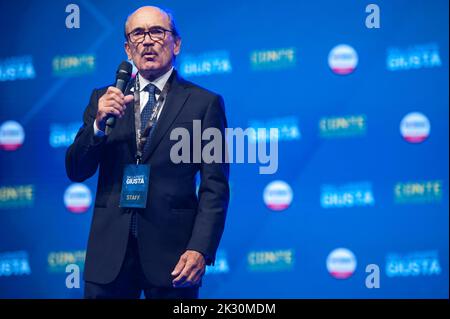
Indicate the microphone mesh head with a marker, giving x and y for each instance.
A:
(124, 71)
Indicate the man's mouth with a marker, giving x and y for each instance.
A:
(149, 55)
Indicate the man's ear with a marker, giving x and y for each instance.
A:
(177, 46)
(128, 50)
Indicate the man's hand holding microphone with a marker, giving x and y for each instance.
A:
(113, 103)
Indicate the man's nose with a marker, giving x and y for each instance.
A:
(148, 40)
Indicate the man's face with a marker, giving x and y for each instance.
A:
(152, 57)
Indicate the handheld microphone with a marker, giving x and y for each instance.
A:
(123, 75)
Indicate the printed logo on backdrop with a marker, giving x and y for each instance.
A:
(373, 19)
(217, 62)
(373, 278)
(274, 59)
(415, 127)
(341, 263)
(415, 264)
(220, 265)
(343, 59)
(73, 18)
(271, 260)
(347, 195)
(12, 136)
(283, 129)
(17, 68)
(77, 198)
(418, 192)
(14, 263)
(413, 58)
(278, 195)
(73, 65)
(63, 135)
(16, 196)
(343, 126)
(59, 260)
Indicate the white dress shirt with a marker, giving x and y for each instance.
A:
(160, 82)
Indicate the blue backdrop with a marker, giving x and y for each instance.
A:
(362, 114)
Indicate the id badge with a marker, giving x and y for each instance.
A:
(135, 186)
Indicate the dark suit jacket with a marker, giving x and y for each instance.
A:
(175, 219)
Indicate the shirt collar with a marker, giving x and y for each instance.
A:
(160, 82)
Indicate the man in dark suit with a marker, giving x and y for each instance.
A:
(163, 248)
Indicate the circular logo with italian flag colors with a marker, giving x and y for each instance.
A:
(341, 263)
(77, 198)
(343, 59)
(278, 195)
(415, 127)
(12, 136)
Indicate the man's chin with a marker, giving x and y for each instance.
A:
(149, 66)
(151, 71)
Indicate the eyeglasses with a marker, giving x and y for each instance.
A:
(156, 34)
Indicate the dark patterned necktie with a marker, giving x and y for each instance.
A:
(146, 113)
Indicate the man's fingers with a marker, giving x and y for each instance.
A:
(183, 275)
(113, 111)
(181, 279)
(191, 278)
(116, 106)
(119, 100)
(179, 267)
(188, 271)
(194, 277)
(188, 267)
(114, 90)
(114, 102)
(128, 98)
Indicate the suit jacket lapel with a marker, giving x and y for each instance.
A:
(129, 120)
(175, 100)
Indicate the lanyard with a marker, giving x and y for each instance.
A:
(141, 139)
